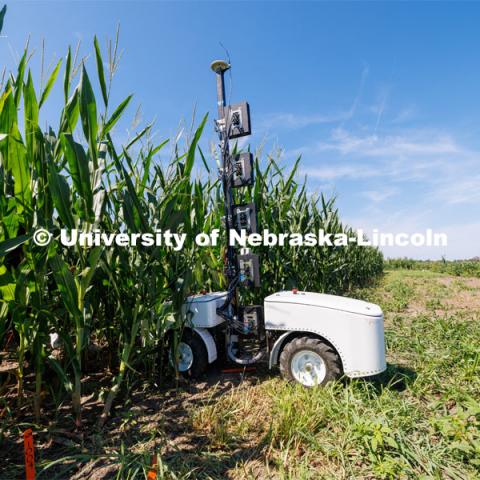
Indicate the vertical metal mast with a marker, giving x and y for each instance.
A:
(220, 67)
(242, 270)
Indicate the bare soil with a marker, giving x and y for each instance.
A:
(152, 420)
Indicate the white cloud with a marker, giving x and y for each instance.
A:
(433, 157)
(279, 121)
(292, 121)
(465, 190)
(389, 145)
(378, 196)
(405, 114)
(341, 171)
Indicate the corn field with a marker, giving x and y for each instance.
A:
(122, 301)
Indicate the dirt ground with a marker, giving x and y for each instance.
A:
(152, 420)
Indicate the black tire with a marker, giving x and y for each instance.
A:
(332, 362)
(200, 355)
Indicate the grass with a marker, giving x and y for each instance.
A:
(420, 419)
(465, 268)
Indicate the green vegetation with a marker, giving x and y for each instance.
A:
(420, 419)
(112, 306)
(465, 268)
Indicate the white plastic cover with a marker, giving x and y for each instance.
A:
(203, 309)
(353, 327)
(334, 302)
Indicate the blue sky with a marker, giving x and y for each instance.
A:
(381, 99)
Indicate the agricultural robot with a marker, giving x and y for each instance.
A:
(313, 337)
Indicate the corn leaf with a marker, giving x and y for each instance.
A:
(78, 163)
(3, 11)
(61, 373)
(61, 196)
(31, 115)
(66, 78)
(138, 137)
(88, 273)
(100, 70)
(72, 112)
(12, 243)
(66, 285)
(88, 114)
(116, 116)
(19, 79)
(193, 147)
(18, 163)
(50, 83)
(4, 96)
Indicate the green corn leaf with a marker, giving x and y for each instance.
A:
(66, 78)
(133, 194)
(202, 156)
(19, 79)
(193, 147)
(72, 112)
(130, 216)
(7, 286)
(7, 293)
(66, 285)
(3, 11)
(292, 173)
(12, 243)
(101, 71)
(61, 373)
(78, 163)
(31, 116)
(88, 114)
(115, 116)
(18, 163)
(4, 96)
(10, 221)
(61, 196)
(138, 137)
(159, 147)
(8, 118)
(88, 273)
(50, 83)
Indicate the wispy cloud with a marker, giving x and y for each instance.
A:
(380, 195)
(461, 191)
(358, 96)
(401, 157)
(405, 114)
(397, 145)
(341, 171)
(380, 107)
(295, 121)
(433, 161)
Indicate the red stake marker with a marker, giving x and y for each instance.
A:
(152, 473)
(29, 454)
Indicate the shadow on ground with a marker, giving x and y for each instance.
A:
(151, 420)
